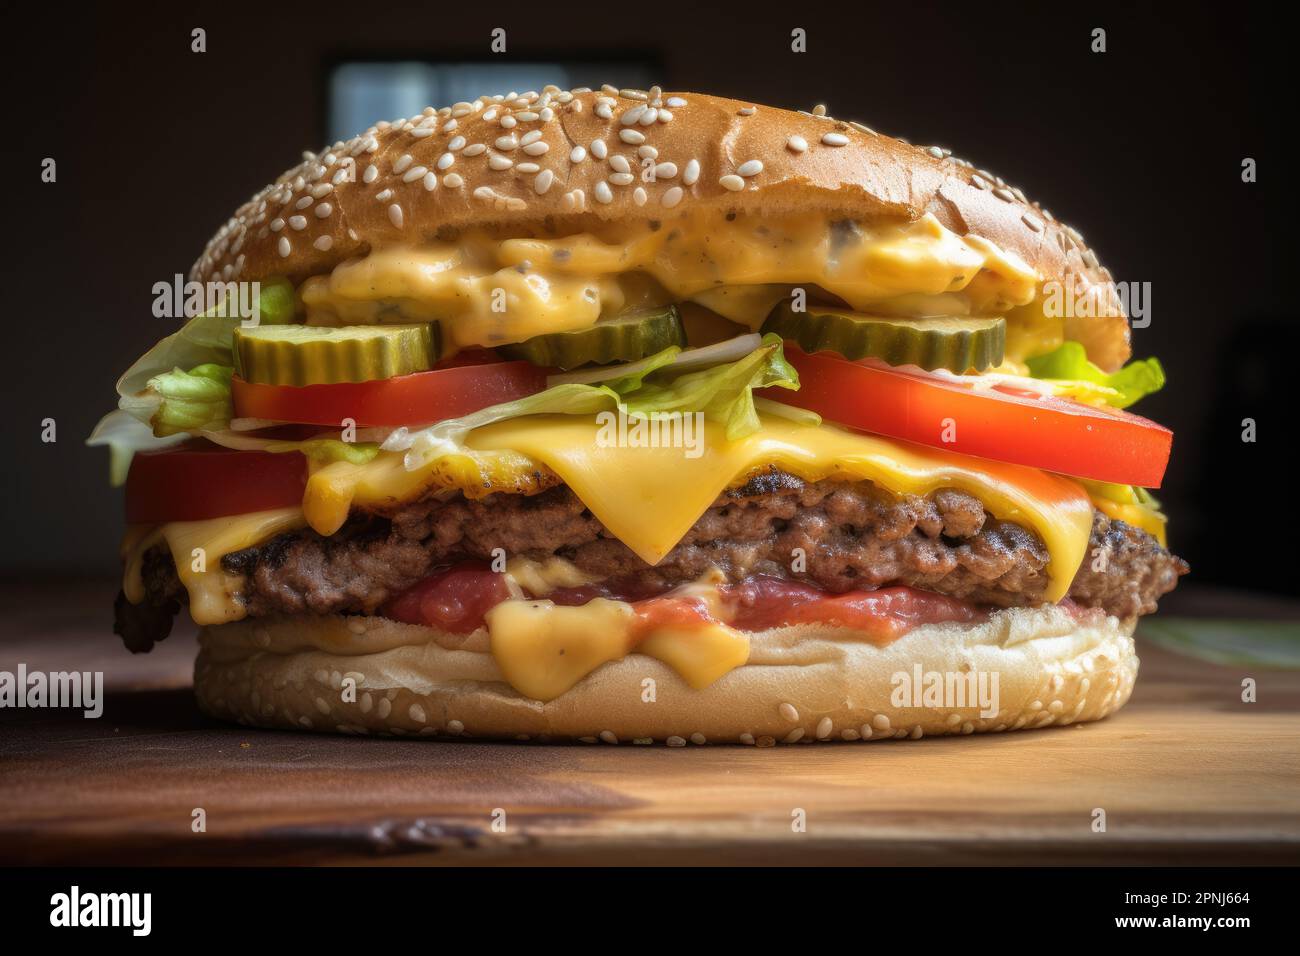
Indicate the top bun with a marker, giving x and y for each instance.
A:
(524, 159)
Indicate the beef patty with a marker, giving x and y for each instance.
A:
(837, 535)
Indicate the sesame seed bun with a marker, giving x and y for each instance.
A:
(529, 161)
(803, 683)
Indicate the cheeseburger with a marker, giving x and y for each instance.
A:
(640, 416)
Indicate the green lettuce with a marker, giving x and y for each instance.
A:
(205, 340)
(723, 393)
(328, 450)
(192, 401)
(1070, 363)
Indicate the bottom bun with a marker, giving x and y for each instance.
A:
(1021, 668)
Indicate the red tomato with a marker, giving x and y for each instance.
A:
(449, 391)
(199, 480)
(1003, 423)
(454, 600)
(764, 601)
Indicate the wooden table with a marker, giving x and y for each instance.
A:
(1186, 774)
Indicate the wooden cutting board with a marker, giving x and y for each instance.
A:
(1187, 773)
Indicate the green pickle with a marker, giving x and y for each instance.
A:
(957, 344)
(624, 338)
(321, 355)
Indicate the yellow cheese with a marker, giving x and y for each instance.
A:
(490, 291)
(197, 547)
(701, 655)
(650, 497)
(1136, 514)
(544, 649)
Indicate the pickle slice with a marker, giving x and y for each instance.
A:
(951, 342)
(320, 355)
(624, 338)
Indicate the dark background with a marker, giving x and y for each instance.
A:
(1140, 148)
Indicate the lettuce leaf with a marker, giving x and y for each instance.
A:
(125, 435)
(205, 340)
(723, 393)
(192, 401)
(1069, 363)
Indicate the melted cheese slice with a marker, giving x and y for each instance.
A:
(197, 548)
(489, 291)
(650, 497)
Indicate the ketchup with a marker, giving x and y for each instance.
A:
(456, 599)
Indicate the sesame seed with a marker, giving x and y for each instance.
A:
(445, 161)
(665, 170)
(835, 139)
(499, 162)
(323, 210)
(732, 182)
(639, 196)
(747, 111)
(936, 152)
(528, 168)
(414, 173)
(603, 192)
(619, 164)
(622, 179)
(676, 101)
(303, 203)
(698, 739)
(863, 128)
(796, 144)
(417, 714)
(630, 117)
(509, 122)
(676, 741)
(298, 223)
(824, 728)
(1032, 223)
(277, 224)
(603, 111)
(430, 181)
(321, 189)
(543, 181)
(455, 727)
(323, 243)
(528, 116)
(794, 735)
(979, 182)
(630, 94)
(672, 197)
(1003, 194)
(577, 154)
(506, 142)
(537, 149)
(475, 149)
(649, 117)
(457, 143)
(788, 712)
(880, 722)
(532, 137)
(751, 168)
(395, 215)
(384, 195)
(632, 136)
(691, 173)
(283, 247)
(819, 109)
(402, 162)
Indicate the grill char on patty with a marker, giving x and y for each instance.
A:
(853, 536)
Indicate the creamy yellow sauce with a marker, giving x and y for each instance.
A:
(489, 291)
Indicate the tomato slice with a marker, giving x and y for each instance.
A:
(446, 392)
(1001, 423)
(454, 600)
(199, 480)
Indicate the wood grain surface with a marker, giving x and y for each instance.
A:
(1187, 773)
